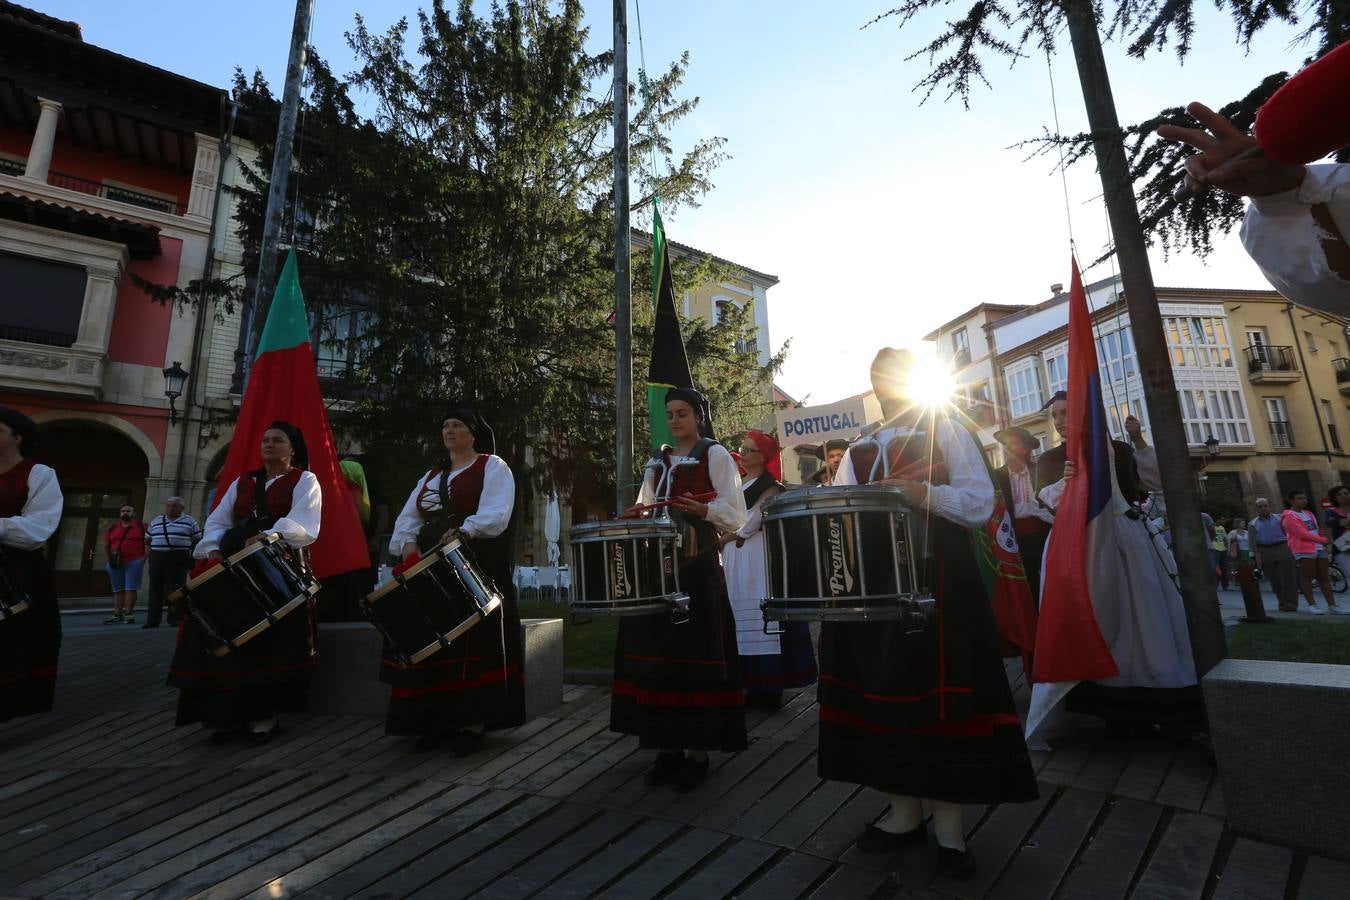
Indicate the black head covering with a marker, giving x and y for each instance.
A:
(484, 441)
(1057, 395)
(700, 404)
(299, 452)
(21, 425)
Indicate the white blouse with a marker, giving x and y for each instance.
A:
(754, 519)
(968, 498)
(1289, 245)
(298, 528)
(494, 504)
(41, 513)
(726, 511)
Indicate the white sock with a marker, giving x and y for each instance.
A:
(262, 726)
(947, 827)
(906, 814)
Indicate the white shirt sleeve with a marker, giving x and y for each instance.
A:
(495, 503)
(968, 498)
(220, 521)
(1290, 246)
(41, 513)
(1051, 494)
(754, 520)
(726, 511)
(300, 526)
(1146, 463)
(845, 474)
(647, 493)
(409, 520)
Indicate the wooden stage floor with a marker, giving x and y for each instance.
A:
(105, 798)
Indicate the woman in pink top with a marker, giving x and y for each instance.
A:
(1308, 545)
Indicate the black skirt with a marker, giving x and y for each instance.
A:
(478, 679)
(928, 714)
(679, 686)
(30, 642)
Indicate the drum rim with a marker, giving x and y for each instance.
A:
(226, 562)
(640, 607)
(822, 613)
(440, 551)
(253, 631)
(495, 602)
(827, 499)
(13, 609)
(594, 532)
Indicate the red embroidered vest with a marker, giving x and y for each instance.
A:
(690, 480)
(465, 490)
(14, 489)
(279, 496)
(914, 456)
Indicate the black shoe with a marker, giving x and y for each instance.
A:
(664, 770)
(258, 738)
(221, 736)
(427, 742)
(464, 742)
(874, 840)
(691, 774)
(955, 863)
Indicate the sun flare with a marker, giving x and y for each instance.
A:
(931, 383)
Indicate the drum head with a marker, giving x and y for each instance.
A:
(622, 529)
(836, 498)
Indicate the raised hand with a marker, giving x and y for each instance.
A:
(1229, 159)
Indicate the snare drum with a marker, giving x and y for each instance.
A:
(435, 601)
(248, 593)
(850, 553)
(13, 598)
(627, 567)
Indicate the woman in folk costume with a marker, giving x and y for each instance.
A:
(30, 511)
(772, 662)
(247, 689)
(927, 714)
(475, 684)
(678, 686)
(1146, 630)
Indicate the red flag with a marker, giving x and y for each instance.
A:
(283, 383)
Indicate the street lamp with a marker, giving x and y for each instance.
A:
(1212, 447)
(174, 378)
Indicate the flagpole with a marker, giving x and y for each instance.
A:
(281, 170)
(623, 305)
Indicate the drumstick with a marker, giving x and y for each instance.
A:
(659, 504)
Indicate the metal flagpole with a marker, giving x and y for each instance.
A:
(623, 306)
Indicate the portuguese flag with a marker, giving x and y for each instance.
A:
(284, 384)
(669, 366)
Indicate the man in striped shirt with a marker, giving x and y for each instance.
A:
(170, 537)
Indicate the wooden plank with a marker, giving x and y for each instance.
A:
(995, 843)
(568, 854)
(337, 755)
(1071, 757)
(569, 761)
(601, 764)
(602, 868)
(1214, 804)
(523, 846)
(1105, 767)
(489, 768)
(307, 757)
(840, 830)
(1323, 879)
(32, 804)
(1188, 780)
(759, 783)
(723, 875)
(1115, 853)
(330, 864)
(512, 777)
(805, 817)
(25, 781)
(618, 770)
(1257, 871)
(784, 715)
(809, 718)
(770, 809)
(787, 878)
(496, 745)
(1146, 770)
(708, 796)
(1181, 862)
(74, 808)
(1039, 866)
(661, 871)
(848, 883)
(413, 877)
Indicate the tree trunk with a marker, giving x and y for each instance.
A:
(1198, 584)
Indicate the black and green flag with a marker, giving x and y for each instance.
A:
(670, 364)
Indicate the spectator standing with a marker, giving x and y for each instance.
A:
(1336, 517)
(1309, 548)
(1242, 554)
(1218, 552)
(124, 547)
(171, 537)
(1274, 555)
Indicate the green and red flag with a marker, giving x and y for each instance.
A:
(670, 365)
(283, 383)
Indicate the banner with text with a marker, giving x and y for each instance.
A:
(815, 424)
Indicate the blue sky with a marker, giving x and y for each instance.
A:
(883, 217)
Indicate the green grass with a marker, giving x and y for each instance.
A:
(588, 646)
(1290, 640)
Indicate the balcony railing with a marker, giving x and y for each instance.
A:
(1281, 435)
(37, 336)
(1270, 358)
(1342, 367)
(110, 192)
(12, 166)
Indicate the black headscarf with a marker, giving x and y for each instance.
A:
(1057, 395)
(299, 452)
(700, 404)
(22, 426)
(484, 441)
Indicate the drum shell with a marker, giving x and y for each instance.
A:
(626, 568)
(436, 601)
(241, 598)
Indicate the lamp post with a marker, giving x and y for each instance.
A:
(174, 378)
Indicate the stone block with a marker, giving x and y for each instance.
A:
(1279, 729)
(542, 641)
(346, 678)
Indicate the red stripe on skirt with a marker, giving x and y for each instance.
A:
(895, 698)
(976, 726)
(678, 698)
(45, 672)
(492, 676)
(677, 662)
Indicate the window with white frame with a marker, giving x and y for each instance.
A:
(1057, 369)
(1310, 342)
(960, 347)
(1115, 355)
(1217, 412)
(1281, 429)
(1024, 387)
(1198, 341)
(1120, 408)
